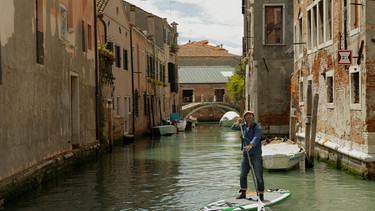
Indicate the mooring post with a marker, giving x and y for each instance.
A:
(308, 125)
(313, 127)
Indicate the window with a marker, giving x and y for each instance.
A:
(157, 70)
(354, 16)
(150, 66)
(319, 24)
(89, 37)
(299, 38)
(63, 22)
(314, 26)
(118, 55)
(309, 30)
(187, 96)
(125, 52)
(300, 88)
(219, 95)
(162, 74)
(330, 88)
(355, 86)
(40, 32)
(273, 23)
(145, 104)
(118, 106)
(83, 36)
(173, 77)
(136, 106)
(328, 20)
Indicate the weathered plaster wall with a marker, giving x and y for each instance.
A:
(35, 105)
(271, 72)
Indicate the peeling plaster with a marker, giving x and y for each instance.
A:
(7, 12)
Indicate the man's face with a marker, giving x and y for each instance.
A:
(249, 117)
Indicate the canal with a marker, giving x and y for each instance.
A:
(184, 172)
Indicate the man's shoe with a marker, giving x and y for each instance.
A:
(261, 197)
(242, 195)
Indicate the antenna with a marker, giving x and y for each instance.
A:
(170, 9)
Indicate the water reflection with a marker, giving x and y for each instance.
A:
(184, 172)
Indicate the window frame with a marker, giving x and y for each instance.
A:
(356, 11)
(282, 28)
(330, 74)
(64, 28)
(355, 69)
(301, 93)
(319, 25)
(118, 106)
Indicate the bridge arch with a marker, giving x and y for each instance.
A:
(189, 109)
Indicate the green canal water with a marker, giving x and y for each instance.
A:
(184, 172)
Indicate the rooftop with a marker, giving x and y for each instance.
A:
(202, 48)
(204, 74)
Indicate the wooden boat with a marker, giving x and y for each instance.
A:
(228, 119)
(271, 197)
(281, 154)
(164, 130)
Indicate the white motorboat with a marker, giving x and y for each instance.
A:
(181, 125)
(281, 155)
(164, 130)
(228, 119)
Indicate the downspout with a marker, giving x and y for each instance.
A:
(132, 69)
(97, 107)
(345, 23)
(1, 72)
(104, 26)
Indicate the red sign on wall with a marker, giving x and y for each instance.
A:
(344, 57)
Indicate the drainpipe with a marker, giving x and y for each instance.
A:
(104, 26)
(345, 22)
(97, 107)
(132, 69)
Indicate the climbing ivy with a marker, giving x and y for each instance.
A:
(236, 85)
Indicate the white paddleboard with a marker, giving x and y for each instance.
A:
(271, 197)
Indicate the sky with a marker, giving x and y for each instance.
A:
(218, 21)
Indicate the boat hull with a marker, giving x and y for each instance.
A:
(164, 130)
(281, 156)
(181, 125)
(228, 119)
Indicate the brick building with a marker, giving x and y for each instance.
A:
(204, 71)
(334, 58)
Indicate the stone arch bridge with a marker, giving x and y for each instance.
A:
(189, 109)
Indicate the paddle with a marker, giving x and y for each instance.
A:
(261, 206)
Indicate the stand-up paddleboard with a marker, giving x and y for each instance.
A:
(271, 197)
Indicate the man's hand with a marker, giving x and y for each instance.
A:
(247, 148)
(239, 121)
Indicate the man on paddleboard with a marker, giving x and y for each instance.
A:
(251, 134)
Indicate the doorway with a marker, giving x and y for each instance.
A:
(74, 110)
(126, 115)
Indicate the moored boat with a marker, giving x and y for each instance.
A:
(191, 123)
(164, 130)
(281, 154)
(181, 125)
(228, 119)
